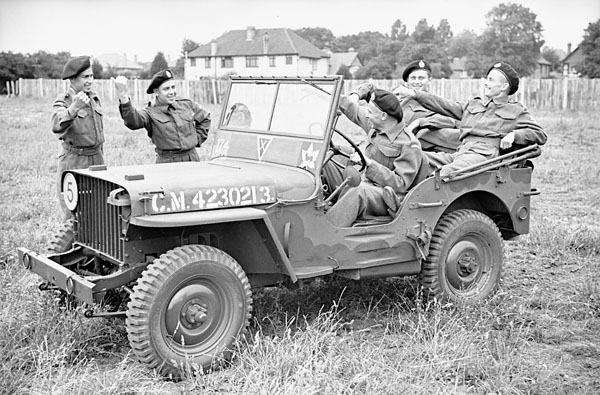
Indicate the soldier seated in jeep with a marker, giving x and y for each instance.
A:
(393, 157)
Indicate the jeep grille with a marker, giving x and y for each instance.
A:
(99, 224)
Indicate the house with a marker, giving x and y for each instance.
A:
(255, 52)
(543, 68)
(458, 68)
(120, 64)
(571, 63)
(349, 59)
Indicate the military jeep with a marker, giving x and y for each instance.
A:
(186, 243)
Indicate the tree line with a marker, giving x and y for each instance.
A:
(513, 34)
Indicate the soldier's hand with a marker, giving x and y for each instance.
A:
(355, 158)
(404, 91)
(121, 87)
(80, 100)
(364, 91)
(507, 141)
(413, 125)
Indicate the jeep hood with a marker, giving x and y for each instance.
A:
(193, 186)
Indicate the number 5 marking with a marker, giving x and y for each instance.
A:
(70, 192)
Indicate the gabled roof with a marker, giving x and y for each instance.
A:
(280, 42)
(574, 57)
(348, 59)
(542, 61)
(118, 61)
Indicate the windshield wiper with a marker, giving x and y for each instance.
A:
(314, 85)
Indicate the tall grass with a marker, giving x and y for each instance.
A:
(537, 335)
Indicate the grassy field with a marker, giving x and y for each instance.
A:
(540, 334)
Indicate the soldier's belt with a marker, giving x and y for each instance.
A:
(173, 152)
(86, 151)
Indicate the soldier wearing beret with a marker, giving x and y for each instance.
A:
(487, 125)
(393, 156)
(176, 125)
(77, 121)
(435, 132)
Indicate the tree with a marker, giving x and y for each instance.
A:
(590, 48)
(12, 67)
(463, 44)
(443, 34)
(320, 37)
(159, 63)
(514, 36)
(48, 65)
(399, 31)
(97, 69)
(188, 46)
(375, 68)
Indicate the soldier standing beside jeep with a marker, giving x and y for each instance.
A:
(176, 125)
(487, 124)
(77, 121)
(393, 156)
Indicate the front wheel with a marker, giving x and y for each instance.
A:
(464, 264)
(187, 309)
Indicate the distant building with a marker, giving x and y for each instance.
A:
(458, 68)
(543, 68)
(349, 59)
(120, 64)
(255, 52)
(572, 62)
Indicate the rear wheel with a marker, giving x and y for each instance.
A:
(464, 264)
(187, 309)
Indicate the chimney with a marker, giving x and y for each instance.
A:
(135, 58)
(265, 44)
(250, 33)
(213, 48)
(568, 48)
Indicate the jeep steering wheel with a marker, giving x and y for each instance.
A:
(336, 149)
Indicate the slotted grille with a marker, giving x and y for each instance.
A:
(98, 223)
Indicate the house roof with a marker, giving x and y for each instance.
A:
(118, 61)
(575, 57)
(337, 59)
(280, 42)
(542, 61)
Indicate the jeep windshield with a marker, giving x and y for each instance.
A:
(289, 107)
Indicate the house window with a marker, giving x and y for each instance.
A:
(271, 61)
(313, 64)
(288, 59)
(193, 62)
(227, 62)
(251, 61)
(207, 63)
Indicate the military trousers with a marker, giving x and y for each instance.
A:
(363, 201)
(468, 154)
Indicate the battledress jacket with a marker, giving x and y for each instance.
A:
(487, 118)
(180, 126)
(82, 130)
(397, 158)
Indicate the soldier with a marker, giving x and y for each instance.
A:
(77, 121)
(487, 124)
(435, 132)
(176, 125)
(394, 157)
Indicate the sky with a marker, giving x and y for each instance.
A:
(141, 28)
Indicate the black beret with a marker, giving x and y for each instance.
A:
(509, 73)
(158, 79)
(388, 103)
(75, 66)
(415, 65)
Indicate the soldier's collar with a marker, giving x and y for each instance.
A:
(497, 100)
(394, 132)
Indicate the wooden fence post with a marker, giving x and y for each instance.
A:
(20, 92)
(565, 93)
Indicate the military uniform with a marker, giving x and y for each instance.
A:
(396, 161)
(483, 123)
(81, 133)
(175, 129)
(435, 132)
